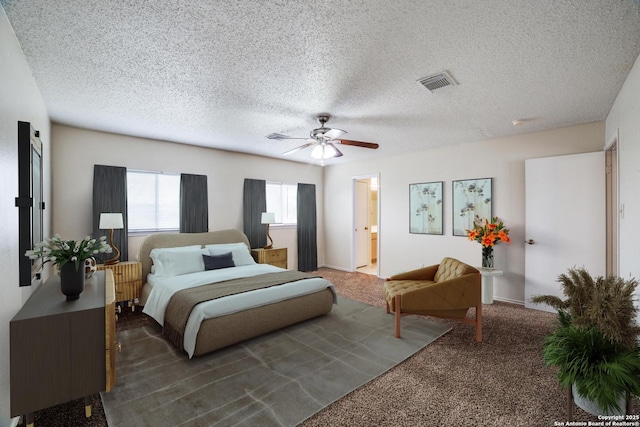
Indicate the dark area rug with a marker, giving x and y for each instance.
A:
(454, 381)
(278, 379)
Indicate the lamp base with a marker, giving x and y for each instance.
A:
(116, 251)
(270, 245)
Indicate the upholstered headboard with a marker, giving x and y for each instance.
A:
(171, 240)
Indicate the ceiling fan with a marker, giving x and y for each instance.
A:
(323, 140)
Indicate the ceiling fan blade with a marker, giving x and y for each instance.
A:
(280, 136)
(335, 133)
(359, 143)
(302, 147)
(338, 152)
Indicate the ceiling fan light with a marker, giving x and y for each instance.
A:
(329, 152)
(323, 151)
(318, 152)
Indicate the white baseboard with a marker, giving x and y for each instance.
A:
(512, 301)
(333, 267)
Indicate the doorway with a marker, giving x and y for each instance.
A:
(613, 209)
(366, 225)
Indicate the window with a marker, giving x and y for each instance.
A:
(153, 201)
(282, 200)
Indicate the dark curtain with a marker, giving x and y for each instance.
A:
(254, 203)
(110, 196)
(194, 204)
(307, 233)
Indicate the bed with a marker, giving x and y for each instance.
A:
(274, 297)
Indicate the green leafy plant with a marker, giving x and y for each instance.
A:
(594, 344)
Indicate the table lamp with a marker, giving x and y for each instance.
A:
(111, 221)
(268, 218)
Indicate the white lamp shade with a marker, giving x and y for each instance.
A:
(323, 151)
(268, 218)
(111, 220)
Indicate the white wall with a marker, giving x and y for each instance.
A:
(20, 100)
(501, 159)
(624, 118)
(77, 150)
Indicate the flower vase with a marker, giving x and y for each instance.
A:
(72, 280)
(487, 257)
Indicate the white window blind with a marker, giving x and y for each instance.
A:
(282, 201)
(153, 201)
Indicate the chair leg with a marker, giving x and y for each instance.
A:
(479, 314)
(388, 309)
(479, 322)
(398, 301)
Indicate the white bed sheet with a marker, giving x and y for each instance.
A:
(163, 289)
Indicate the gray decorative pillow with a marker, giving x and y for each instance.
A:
(214, 262)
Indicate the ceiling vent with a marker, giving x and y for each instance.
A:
(437, 81)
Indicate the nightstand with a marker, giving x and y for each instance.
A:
(275, 257)
(128, 280)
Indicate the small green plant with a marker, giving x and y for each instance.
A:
(595, 343)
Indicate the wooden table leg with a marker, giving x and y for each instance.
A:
(569, 404)
(87, 406)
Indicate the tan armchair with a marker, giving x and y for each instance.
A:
(444, 290)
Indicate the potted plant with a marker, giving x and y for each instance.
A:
(594, 344)
(70, 257)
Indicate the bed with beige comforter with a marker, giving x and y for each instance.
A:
(203, 308)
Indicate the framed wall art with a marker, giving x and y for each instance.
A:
(425, 208)
(471, 201)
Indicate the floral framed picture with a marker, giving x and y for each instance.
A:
(425, 208)
(472, 201)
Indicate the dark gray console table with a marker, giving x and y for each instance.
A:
(63, 350)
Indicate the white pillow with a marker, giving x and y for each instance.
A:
(169, 262)
(239, 252)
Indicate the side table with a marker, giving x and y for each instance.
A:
(274, 256)
(487, 283)
(128, 279)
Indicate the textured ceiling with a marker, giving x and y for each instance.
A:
(227, 73)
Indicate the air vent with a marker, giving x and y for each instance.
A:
(277, 136)
(437, 81)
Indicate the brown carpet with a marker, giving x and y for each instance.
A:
(454, 381)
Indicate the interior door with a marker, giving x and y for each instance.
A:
(363, 236)
(565, 221)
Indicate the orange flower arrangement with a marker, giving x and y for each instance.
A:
(490, 233)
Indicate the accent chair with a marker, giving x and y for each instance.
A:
(445, 290)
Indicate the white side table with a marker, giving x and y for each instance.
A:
(487, 283)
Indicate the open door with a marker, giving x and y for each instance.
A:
(366, 208)
(362, 229)
(613, 207)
